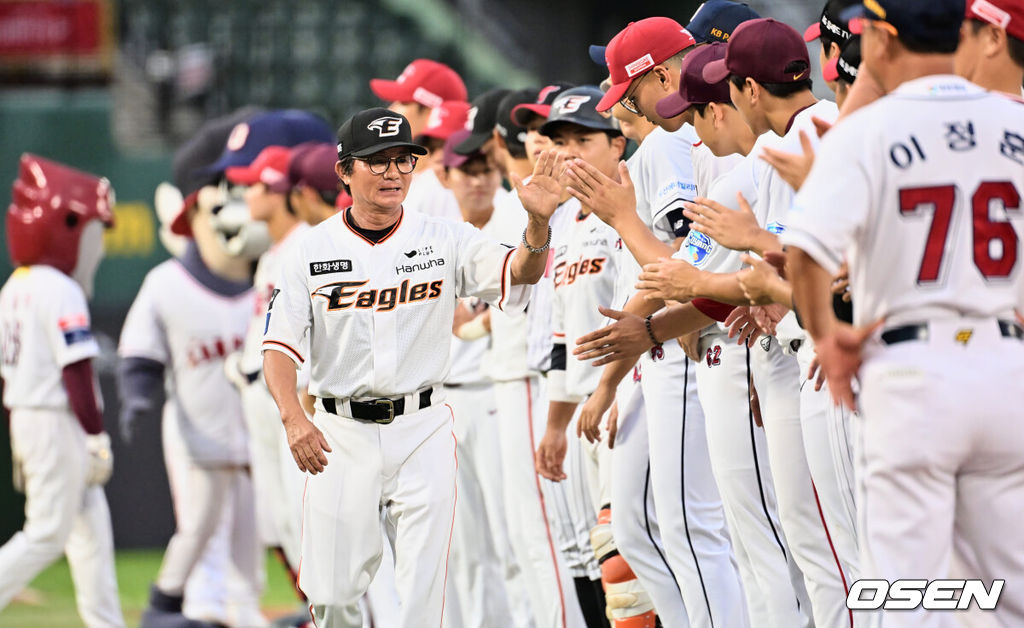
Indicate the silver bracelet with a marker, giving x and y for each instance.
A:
(543, 249)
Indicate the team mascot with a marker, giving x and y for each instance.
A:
(190, 313)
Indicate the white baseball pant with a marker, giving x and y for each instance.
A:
(214, 591)
(941, 463)
(265, 434)
(686, 496)
(582, 499)
(63, 515)
(777, 378)
(482, 571)
(408, 468)
(635, 521)
(738, 453)
(535, 538)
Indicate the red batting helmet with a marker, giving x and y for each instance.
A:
(50, 206)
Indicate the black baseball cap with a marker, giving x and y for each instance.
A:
(373, 130)
(715, 20)
(514, 133)
(844, 66)
(579, 106)
(541, 106)
(831, 26)
(482, 116)
(934, 24)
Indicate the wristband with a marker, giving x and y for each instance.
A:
(650, 330)
(543, 249)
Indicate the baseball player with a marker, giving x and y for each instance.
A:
(61, 455)
(991, 49)
(485, 587)
(585, 272)
(918, 230)
(543, 540)
(378, 326)
(313, 187)
(426, 194)
(422, 86)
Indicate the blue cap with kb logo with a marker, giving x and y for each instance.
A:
(931, 25)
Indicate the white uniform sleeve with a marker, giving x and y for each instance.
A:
(68, 328)
(485, 271)
(143, 334)
(668, 181)
(290, 311)
(827, 212)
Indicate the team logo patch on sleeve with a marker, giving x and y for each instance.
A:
(270, 306)
(775, 227)
(75, 328)
(699, 246)
(331, 266)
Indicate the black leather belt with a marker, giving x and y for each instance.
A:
(1007, 329)
(382, 411)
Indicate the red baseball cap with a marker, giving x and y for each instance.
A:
(427, 82)
(269, 167)
(638, 48)
(765, 50)
(1006, 14)
(446, 119)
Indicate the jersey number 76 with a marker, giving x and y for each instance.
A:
(942, 199)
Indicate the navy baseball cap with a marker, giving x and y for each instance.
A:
(373, 130)
(831, 26)
(597, 55)
(483, 114)
(285, 127)
(715, 20)
(524, 113)
(934, 24)
(579, 106)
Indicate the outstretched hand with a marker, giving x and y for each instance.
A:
(625, 338)
(606, 197)
(839, 353)
(669, 280)
(541, 194)
(733, 229)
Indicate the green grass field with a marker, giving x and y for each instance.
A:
(54, 607)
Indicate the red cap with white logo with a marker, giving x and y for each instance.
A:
(269, 167)
(427, 82)
(446, 119)
(1006, 14)
(638, 48)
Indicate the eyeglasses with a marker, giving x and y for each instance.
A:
(379, 165)
(629, 102)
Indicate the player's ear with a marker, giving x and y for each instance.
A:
(499, 140)
(341, 173)
(664, 78)
(993, 40)
(619, 144)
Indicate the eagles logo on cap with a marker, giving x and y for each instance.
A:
(571, 103)
(386, 126)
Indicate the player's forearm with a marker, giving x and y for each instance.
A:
(641, 242)
(811, 294)
(720, 287)
(678, 320)
(279, 373)
(560, 414)
(528, 267)
(764, 241)
(614, 372)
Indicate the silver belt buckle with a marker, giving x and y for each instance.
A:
(390, 405)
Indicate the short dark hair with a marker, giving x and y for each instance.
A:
(1014, 46)
(517, 150)
(703, 108)
(348, 166)
(778, 90)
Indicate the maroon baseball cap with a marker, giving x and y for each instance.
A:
(765, 50)
(638, 48)
(452, 159)
(427, 82)
(693, 89)
(1006, 14)
(312, 165)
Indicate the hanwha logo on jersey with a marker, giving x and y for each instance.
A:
(570, 104)
(386, 126)
(699, 246)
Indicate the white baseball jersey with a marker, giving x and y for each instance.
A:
(44, 322)
(928, 211)
(180, 323)
(664, 166)
(585, 275)
(538, 316)
(378, 316)
(707, 166)
(263, 284)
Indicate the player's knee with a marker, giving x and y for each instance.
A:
(49, 536)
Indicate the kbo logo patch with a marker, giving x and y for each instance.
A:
(385, 126)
